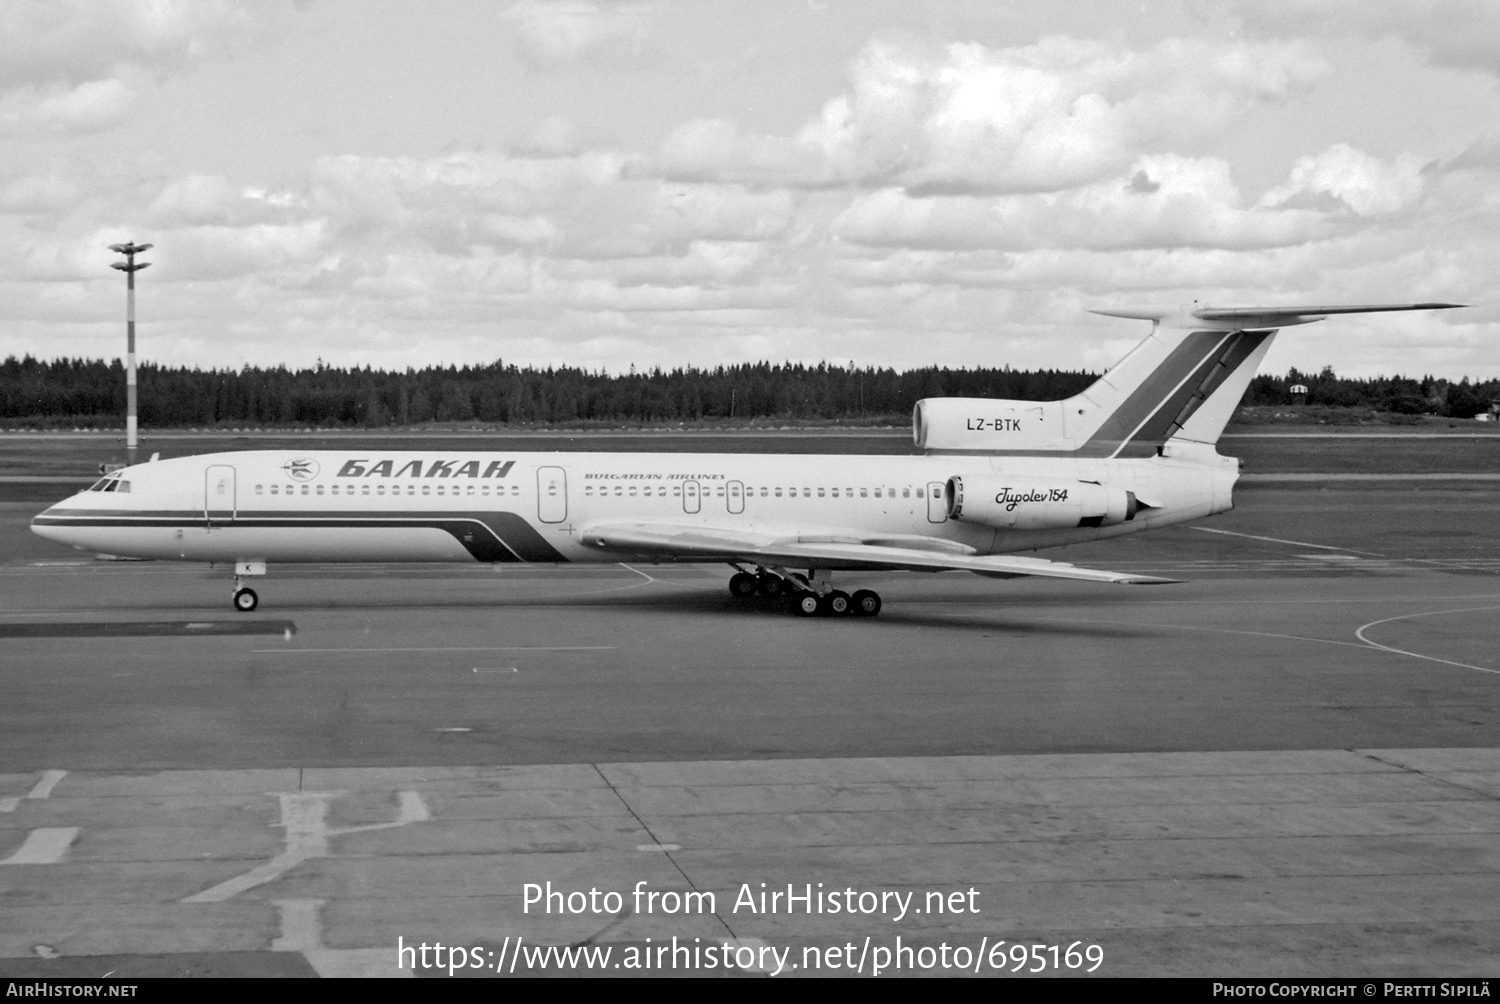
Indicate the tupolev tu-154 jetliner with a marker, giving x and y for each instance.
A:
(1135, 451)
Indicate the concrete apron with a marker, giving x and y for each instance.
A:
(1343, 862)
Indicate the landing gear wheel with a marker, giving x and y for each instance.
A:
(770, 585)
(866, 603)
(839, 604)
(807, 605)
(741, 585)
(245, 600)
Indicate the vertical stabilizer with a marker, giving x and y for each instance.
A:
(1182, 382)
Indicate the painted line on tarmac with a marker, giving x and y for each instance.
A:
(302, 931)
(142, 629)
(41, 789)
(304, 816)
(44, 847)
(1279, 540)
(1360, 634)
(471, 648)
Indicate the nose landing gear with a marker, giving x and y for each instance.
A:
(245, 599)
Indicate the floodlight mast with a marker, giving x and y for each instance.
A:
(130, 266)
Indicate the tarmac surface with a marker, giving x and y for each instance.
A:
(1285, 765)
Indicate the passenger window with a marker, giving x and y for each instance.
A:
(778, 493)
(864, 493)
(470, 491)
(919, 493)
(834, 492)
(320, 489)
(619, 490)
(364, 489)
(807, 493)
(906, 493)
(877, 493)
(820, 493)
(380, 489)
(258, 488)
(274, 489)
(632, 491)
(426, 489)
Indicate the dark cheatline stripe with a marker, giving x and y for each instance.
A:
(1231, 359)
(490, 537)
(142, 629)
(1189, 356)
(1209, 377)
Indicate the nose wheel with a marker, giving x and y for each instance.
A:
(245, 599)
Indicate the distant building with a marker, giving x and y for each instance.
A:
(1298, 392)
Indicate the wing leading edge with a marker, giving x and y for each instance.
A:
(835, 551)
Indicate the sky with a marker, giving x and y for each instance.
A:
(616, 183)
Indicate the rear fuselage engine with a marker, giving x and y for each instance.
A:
(1025, 504)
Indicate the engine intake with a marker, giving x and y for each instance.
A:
(1023, 504)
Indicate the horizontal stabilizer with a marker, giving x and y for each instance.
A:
(1230, 313)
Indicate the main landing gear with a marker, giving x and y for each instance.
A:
(810, 595)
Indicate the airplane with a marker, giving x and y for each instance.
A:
(1135, 451)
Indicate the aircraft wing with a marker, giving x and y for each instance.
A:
(832, 550)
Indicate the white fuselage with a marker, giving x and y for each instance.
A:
(380, 505)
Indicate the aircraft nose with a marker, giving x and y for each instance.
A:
(49, 524)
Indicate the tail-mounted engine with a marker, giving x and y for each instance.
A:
(1023, 504)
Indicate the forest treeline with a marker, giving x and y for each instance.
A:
(92, 392)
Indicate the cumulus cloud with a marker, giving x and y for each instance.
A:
(88, 107)
(550, 33)
(1161, 201)
(1458, 33)
(1365, 184)
(969, 118)
(74, 41)
(45, 193)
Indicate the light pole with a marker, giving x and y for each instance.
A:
(129, 266)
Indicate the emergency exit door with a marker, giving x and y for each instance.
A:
(937, 504)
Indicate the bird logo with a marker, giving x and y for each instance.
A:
(301, 469)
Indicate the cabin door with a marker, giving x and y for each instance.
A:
(691, 499)
(551, 494)
(219, 504)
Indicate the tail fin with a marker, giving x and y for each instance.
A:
(1183, 382)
